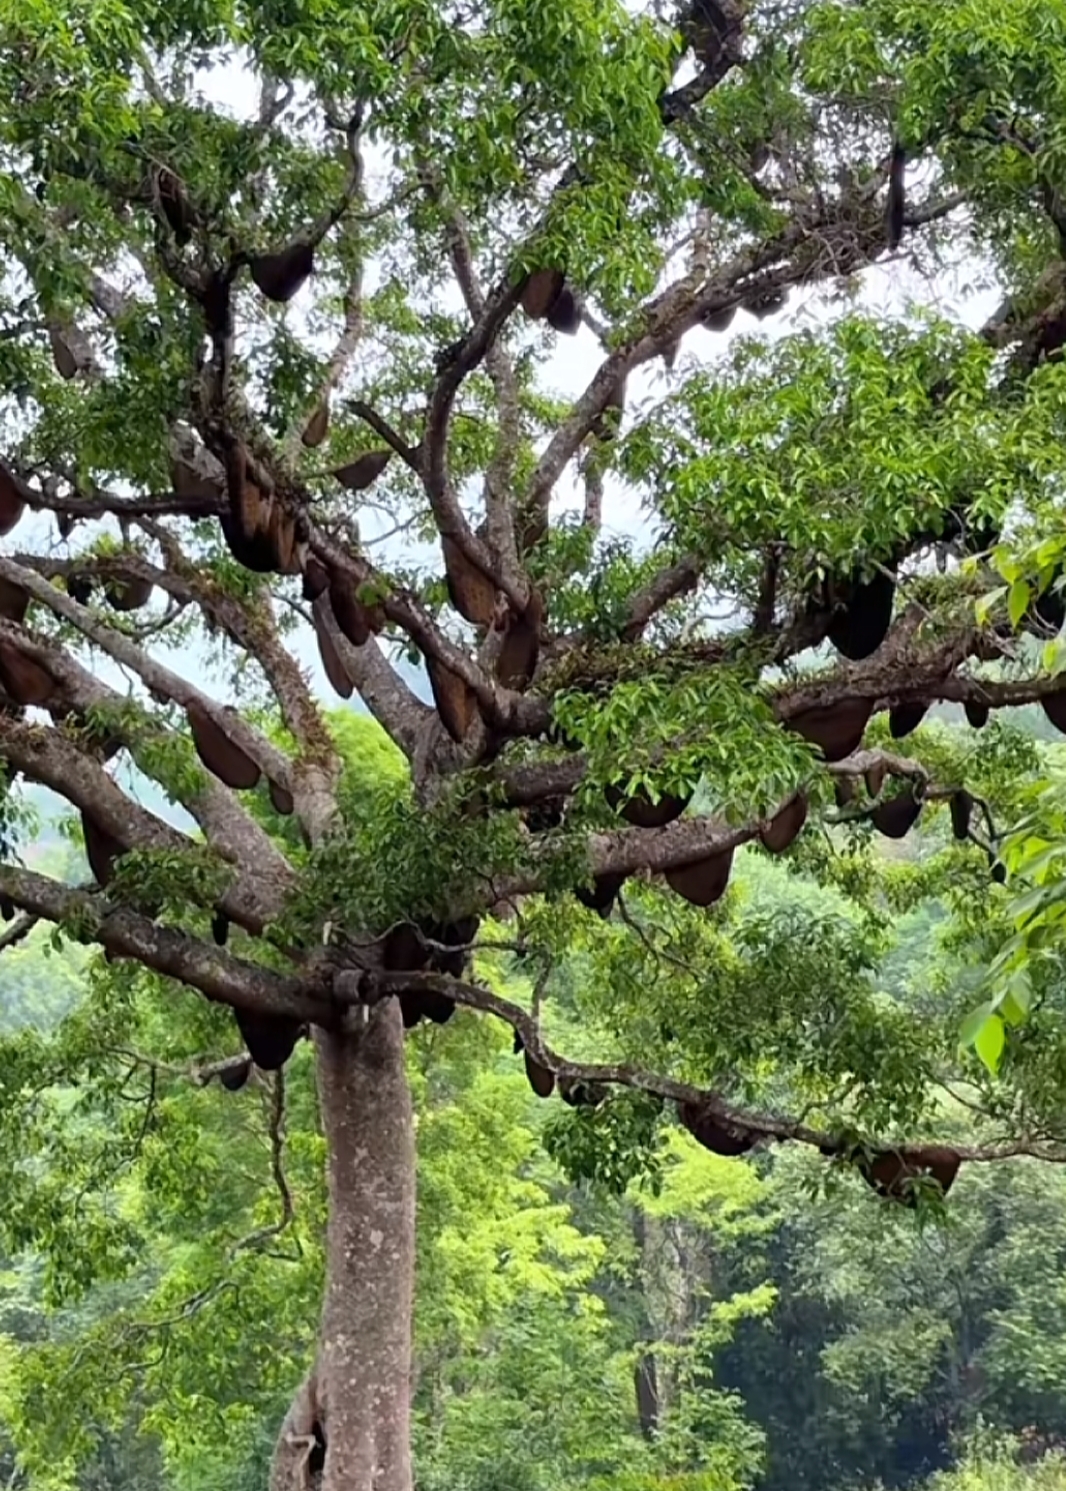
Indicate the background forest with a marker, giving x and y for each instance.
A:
(680, 1321)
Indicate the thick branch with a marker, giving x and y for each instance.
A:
(399, 712)
(764, 1125)
(217, 974)
(890, 677)
(102, 503)
(670, 582)
(497, 704)
(251, 626)
(46, 756)
(154, 675)
(226, 825)
(499, 514)
(854, 236)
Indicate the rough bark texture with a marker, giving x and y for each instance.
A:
(357, 1399)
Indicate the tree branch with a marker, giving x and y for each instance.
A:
(219, 975)
(399, 711)
(46, 756)
(157, 678)
(225, 823)
(499, 512)
(761, 1125)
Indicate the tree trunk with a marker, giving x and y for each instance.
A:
(356, 1399)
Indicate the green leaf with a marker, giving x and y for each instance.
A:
(985, 604)
(973, 1024)
(1021, 990)
(990, 1041)
(1017, 601)
(1052, 656)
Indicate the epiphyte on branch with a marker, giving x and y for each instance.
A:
(546, 294)
(903, 718)
(720, 319)
(715, 1132)
(271, 1039)
(456, 702)
(102, 849)
(128, 595)
(218, 752)
(703, 881)
(66, 363)
(897, 816)
(540, 1078)
(565, 313)
(639, 809)
(174, 204)
(603, 893)
(837, 728)
(517, 660)
(1055, 708)
(233, 1078)
(357, 620)
(280, 275)
(361, 473)
(79, 587)
(896, 197)
(281, 799)
(14, 602)
(472, 592)
(317, 427)
(24, 680)
(263, 532)
(580, 1094)
(893, 1173)
(332, 662)
(961, 806)
(541, 291)
(766, 303)
(785, 826)
(12, 503)
(862, 624)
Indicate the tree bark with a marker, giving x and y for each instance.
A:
(356, 1399)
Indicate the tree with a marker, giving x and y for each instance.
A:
(1000, 1465)
(232, 338)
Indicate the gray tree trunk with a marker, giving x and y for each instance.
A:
(357, 1397)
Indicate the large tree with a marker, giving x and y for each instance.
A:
(240, 348)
